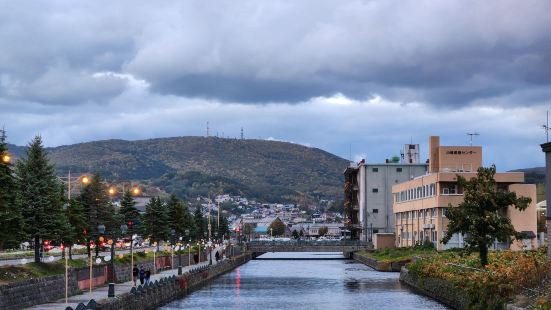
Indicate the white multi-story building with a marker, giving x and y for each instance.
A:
(374, 193)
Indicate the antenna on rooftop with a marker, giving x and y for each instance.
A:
(208, 129)
(546, 128)
(472, 134)
(241, 133)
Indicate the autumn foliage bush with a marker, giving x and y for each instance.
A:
(506, 274)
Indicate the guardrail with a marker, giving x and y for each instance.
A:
(310, 243)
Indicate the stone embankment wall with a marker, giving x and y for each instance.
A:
(379, 265)
(171, 288)
(37, 291)
(31, 292)
(438, 289)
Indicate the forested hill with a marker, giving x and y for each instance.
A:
(533, 175)
(191, 166)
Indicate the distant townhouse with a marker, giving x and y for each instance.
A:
(420, 204)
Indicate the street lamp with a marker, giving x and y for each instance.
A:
(112, 234)
(6, 158)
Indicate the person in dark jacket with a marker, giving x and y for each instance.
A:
(142, 275)
(147, 276)
(135, 272)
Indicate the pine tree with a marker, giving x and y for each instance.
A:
(156, 222)
(98, 209)
(200, 223)
(129, 213)
(77, 220)
(223, 229)
(40, 197)
(11, 221)
(179, 217)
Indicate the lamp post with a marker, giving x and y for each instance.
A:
(112, 234)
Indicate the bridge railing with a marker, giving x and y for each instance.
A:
(309, 243)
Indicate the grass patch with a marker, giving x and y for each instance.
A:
(30, 271)
(400, 254)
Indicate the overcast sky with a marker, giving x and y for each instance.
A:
(355, 78)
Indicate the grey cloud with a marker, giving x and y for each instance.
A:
(443, 53)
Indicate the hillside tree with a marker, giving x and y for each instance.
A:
(479, 215)
(322, 231)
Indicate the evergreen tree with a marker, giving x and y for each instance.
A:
(179, 217)
(480, 217)
(156, 222)
(98, 209)
(11, 221)
(200, 223)
(40, 197)
(223, 229)
(77, 220)
(129, 213)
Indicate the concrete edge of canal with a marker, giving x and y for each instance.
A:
(379, 265)
(171, 288)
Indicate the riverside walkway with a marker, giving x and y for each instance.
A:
(100, 293)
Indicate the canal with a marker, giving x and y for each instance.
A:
(326, 282)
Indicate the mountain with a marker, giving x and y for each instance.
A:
(533, 175)
(190, 166)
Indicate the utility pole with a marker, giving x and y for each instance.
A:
(472, 134)
(208, 129)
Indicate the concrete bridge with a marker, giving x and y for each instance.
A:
(344, 246)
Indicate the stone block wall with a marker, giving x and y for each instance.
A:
(31, 292)
(438, 289)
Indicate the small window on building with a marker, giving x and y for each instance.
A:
(374, 169)
(375, 210)
(399, 169)
(375, 190)
(375, 231)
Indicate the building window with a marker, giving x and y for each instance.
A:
(375, 210)
(399, 169)
(375, 190)
(374, 169)
(375, 231)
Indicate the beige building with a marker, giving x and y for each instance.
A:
(420, 204)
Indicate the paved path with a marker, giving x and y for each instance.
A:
(101, 292)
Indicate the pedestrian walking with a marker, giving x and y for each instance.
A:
(142, 275)
(147, 276)
(135, 272)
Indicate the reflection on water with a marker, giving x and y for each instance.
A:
(305, 284)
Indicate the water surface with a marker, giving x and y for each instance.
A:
(305, 284)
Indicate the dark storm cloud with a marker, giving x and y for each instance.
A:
(439, 52)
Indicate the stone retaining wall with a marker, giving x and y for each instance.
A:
(31, 292)
(170, 289)
(438, 289)
(42, 290)
(379, 265)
